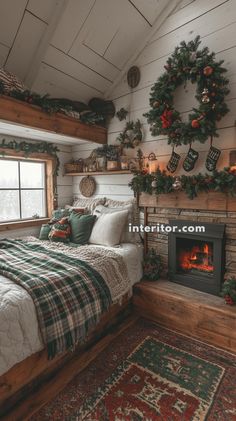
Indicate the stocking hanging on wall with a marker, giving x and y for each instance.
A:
(173, 162)
(212, 158)
(190, 159)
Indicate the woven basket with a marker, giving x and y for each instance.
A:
(73, 167)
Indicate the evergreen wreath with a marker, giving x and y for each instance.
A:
(188, 63)
(131, 135)
(229, 290)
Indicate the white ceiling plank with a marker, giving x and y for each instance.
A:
(73, 68)
(70, 23)
(105, 15)
(3, 54)
(95, 62)
(169, 7)
(149, 9)
(57, 84)
(125, 39)
(43, 9)
(11, 13)
(59, 8)
(25, 45)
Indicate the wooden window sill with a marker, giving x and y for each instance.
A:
(7, 226)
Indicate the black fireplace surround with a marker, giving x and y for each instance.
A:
(197, 259)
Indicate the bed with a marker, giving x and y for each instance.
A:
(22, 352)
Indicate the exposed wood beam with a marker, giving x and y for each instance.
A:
(169, 7)
(60, 6)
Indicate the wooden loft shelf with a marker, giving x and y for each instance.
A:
(19, 112)
(99, 173)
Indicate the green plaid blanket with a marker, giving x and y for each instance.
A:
(69, 295)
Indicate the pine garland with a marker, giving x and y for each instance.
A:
(222, 181)
(30, 148)
(188, 63)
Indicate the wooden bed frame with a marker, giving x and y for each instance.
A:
(31, 383)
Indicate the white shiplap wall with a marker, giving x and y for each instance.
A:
(215, 22)
(64, 186)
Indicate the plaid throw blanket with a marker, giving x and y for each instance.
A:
(68, 293)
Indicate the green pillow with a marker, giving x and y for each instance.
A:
(44, 231)
(81, 227)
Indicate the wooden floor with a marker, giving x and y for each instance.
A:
(192, 312)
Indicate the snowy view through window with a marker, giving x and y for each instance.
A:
(22, 190)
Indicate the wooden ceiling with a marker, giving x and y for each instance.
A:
(73, 48)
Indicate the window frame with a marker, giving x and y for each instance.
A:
(50, 187)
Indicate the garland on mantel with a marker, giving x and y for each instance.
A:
(162, 183)
(30, 148)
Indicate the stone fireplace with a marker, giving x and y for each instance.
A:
(214, 209)
(197, 259)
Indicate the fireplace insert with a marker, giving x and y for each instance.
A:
(197, 259)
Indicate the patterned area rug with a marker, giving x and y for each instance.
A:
(149, 373)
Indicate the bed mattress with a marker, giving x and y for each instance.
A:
(19, 330)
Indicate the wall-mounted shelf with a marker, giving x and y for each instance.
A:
(21, 113)
(99, 173)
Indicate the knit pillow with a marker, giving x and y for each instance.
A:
(83, 202)
(60, 231)
(11, 82)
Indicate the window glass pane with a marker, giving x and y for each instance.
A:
(9, 205)
(33, 203)
(32, 174)
(9, 174)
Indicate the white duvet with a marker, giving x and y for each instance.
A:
(19, 330)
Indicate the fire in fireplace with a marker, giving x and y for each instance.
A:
(197, 259)
(195, 256)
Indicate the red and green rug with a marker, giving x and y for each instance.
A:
(150, 373)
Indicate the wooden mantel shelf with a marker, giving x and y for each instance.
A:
(19, 112)
(216, 201)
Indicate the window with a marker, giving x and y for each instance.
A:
(22, 190)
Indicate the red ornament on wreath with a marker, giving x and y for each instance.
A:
(188, 63)
(208, 70)
(195, 124)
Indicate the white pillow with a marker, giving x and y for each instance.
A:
(133, 219)
(108, 228)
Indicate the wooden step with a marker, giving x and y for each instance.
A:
(192, 312)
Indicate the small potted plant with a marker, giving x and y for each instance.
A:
(112, 155)
(152, 266)
(229, 290)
